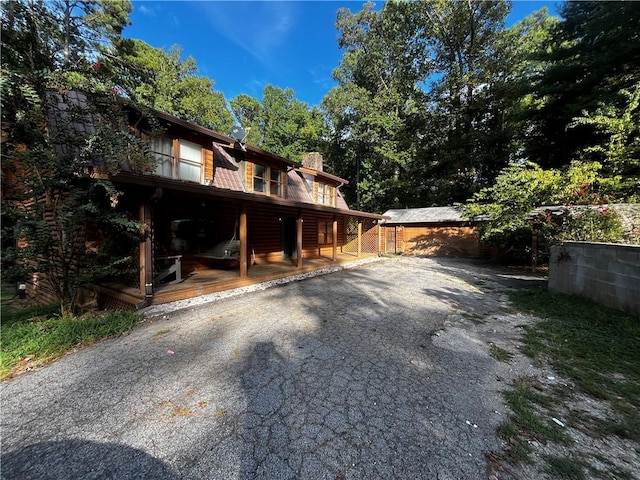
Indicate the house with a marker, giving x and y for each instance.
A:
(220, 214)
(431, 231)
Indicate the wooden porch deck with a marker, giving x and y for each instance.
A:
(203, 282)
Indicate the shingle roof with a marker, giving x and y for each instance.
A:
(226, 171)
(341, 203)
(297, 188)
(424, 215)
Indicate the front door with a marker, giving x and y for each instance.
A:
(288, 237)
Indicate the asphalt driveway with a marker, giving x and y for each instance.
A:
(378, 372)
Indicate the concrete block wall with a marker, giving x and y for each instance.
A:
(605, 272)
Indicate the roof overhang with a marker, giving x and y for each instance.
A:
(322, 175)
(206, 191)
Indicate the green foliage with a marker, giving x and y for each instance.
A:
(162, 80)
(619, 128)
(591, 225)
(37, 336)
(60, 122)
(435, 99)
(418, 114)
(281, 124)
(508, 206)
(588, 61)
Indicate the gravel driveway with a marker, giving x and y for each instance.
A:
(376, 372)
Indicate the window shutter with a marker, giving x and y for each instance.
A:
(209, 169)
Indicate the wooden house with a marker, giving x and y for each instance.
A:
(220, 214)
(431, 231)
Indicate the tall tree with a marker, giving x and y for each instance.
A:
(281, 123)
(374, 112)
(466, 95)
(51, 136)
(592, 57)
(163, 80)
(416, 105)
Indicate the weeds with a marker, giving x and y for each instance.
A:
(500, 354)
(34, 336)
(559, 467)
(594, 347)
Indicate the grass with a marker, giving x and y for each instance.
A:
(559, 467)
(499, 353)
(593, 346)
(35, 336)
(532, 413)
(7, 292)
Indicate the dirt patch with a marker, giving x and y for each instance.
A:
(591, 442)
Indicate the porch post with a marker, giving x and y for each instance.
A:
(299, 240)
(146, 252)
(359, 237)
(334, 257)
(243, 241)
(379, 237)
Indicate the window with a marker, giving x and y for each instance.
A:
(267, 180)
(326, 194)
(162, 148)
(190, 161)
(259, 178)
(325, 232)
(275, 183)
(321, 192)
(189, 164)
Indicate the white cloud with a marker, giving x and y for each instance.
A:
(146, 11)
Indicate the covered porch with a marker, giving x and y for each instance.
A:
(207, 281)
(201, 240)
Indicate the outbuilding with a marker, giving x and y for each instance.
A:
(431, 231)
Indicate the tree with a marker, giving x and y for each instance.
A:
(48, 199)
(162, 80)
(290, 129)
(619, 127)
(591, 57)
(467, 95)
(508, 206)
(281, 124)
(419, 102)
(249, 114)
(374, 112)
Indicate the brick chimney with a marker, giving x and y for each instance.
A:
(313, 160)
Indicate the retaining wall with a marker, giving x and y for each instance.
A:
(605, 272)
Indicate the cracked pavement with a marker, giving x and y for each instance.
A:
(381, 371)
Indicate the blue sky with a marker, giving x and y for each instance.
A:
(245, 45)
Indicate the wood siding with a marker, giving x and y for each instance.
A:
(446, 240)
(207, 160)
(264, 229)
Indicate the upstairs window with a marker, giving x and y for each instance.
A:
(188, 165)
(326, 194)
(275, 182)
(190, 161)
(267, 180)
(162, 148)
(259, 178)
